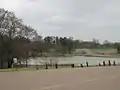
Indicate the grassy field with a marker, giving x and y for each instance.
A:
(100, 52)
(104, 50)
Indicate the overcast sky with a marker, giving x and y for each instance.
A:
(82, 19)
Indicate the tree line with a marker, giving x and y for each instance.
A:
(21, 41)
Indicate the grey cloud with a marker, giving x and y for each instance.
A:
(82, 19)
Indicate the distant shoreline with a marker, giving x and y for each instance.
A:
(85, 55)
(105, 53)
(104, 56)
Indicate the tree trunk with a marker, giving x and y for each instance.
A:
(20, 64)
(10, 62)
(118, 50)
(1, 64)
(26, 63)
(41, 53)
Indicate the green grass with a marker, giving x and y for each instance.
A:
(104, 50)
(5, 70)
(15, 70)
(98, 52)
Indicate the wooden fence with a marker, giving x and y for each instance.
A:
(56, 66)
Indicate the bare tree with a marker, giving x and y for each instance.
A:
(11, 28)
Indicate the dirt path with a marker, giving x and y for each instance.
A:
(106, 78)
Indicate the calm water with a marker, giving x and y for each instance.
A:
(73, 60)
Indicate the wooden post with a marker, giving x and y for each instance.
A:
(87, 64)
(46, 66)
(114, 63)
(99, 64)
(81, 65)
(103, 63)
(109, 63)
(56, 66)
(37, 67)
(72, 65)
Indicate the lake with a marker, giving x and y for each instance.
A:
(72, 60)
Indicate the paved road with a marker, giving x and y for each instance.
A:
(104, 78)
